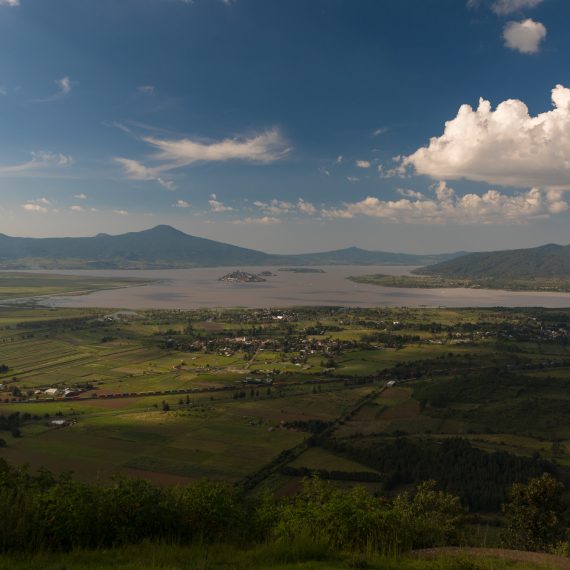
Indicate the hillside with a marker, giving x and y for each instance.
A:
(166, 247)
(357, 256)
(545, 262)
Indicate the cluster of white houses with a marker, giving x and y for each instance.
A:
(58, 392)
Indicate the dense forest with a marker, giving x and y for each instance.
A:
(481, 480)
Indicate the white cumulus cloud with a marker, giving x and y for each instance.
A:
(446, 206)
(524, 36)
(363, 164)
(217, 206)
(12, 3)
(182, 204)
(280, 207)
(262, 221)
(274, 207)
(64, 85)
(306, 207)
(505, 146)
(40, 205)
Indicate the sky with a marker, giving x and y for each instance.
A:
(415, 126)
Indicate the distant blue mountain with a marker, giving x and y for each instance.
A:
(167, 247)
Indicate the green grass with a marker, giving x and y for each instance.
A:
(437, 282)
(317, 458)
(265, 557)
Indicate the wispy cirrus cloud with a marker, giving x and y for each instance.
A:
(380, 131)
(39, 160)
(505, 7)
(12, 3)
(169, 154)
(263, 148)
(147, 89)
(64, 87)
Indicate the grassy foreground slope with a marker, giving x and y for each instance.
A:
(265, 557)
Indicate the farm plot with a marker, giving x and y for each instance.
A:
(393, 410)
(189, 444)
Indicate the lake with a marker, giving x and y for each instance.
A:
(199, 288)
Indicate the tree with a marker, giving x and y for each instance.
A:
(534, 516)
(2, 442)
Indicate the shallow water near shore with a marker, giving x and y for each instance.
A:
(200, 288)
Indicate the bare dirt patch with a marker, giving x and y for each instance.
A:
(395, 393)
(538, 558)
(408, 410)
(161, 479)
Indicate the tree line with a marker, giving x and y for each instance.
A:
(41, 511)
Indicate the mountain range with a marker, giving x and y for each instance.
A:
(547, 261)
(166, 247)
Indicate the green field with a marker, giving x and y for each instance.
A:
(176, 396)
(437, 282)
(29, 285)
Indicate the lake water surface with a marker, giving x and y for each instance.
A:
(199, 288)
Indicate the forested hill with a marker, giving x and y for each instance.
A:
(164, 247)
(547, 261)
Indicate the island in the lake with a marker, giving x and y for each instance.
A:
(302, 269)
(242, 277)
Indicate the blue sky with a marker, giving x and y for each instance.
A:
(288, 125)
